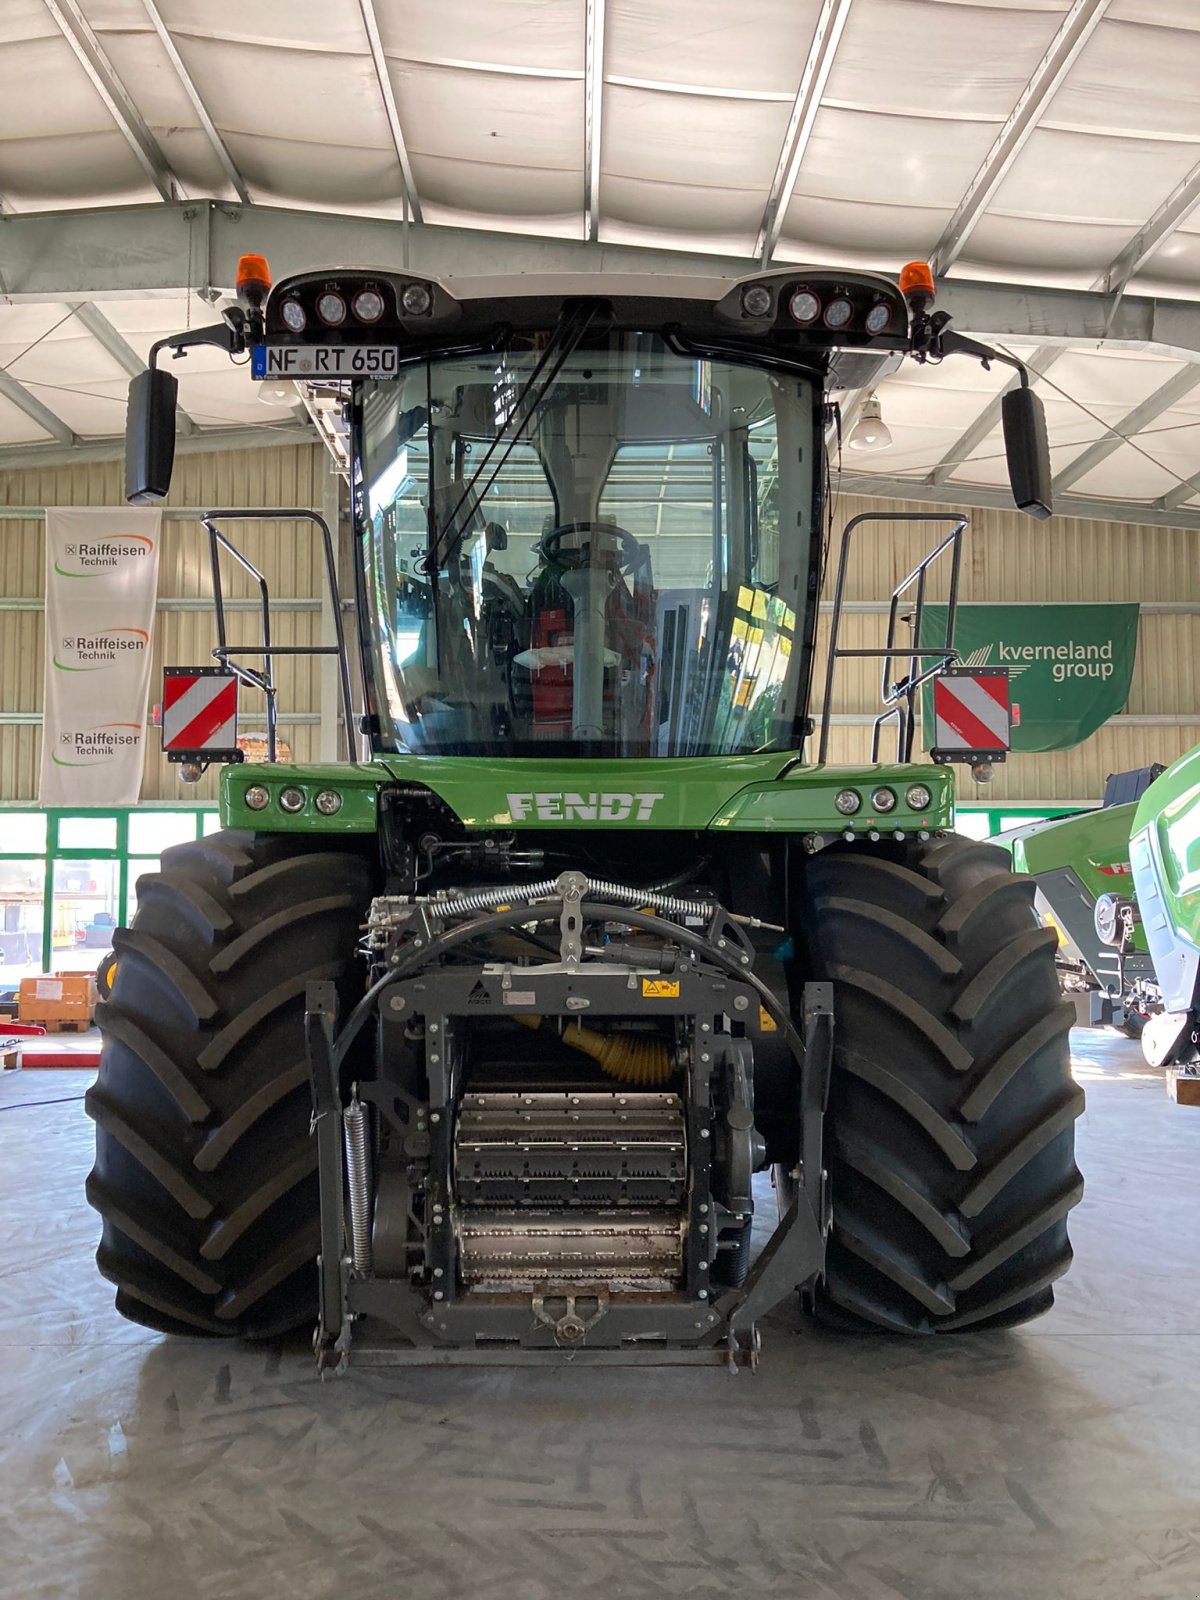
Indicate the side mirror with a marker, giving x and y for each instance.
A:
(150, 436)
(1028, 452)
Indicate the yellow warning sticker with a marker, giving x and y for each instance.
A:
(766, 1021)
(660, 988)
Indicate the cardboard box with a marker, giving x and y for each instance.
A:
(1183, 1086)
(63, 997)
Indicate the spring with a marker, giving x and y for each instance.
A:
(358, 1173)
(599, 888)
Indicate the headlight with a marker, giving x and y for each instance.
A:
(368, 305)
(257, 797)
(838, 313)
(416, 300)
(291, 800)
(756, 300)
(847, 802)
(331, 309)
(294, 316)
(878, 317)
(804, 306)
(884, 800)
(918, 797)
(328, 802)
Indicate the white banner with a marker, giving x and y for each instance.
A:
(101, 581)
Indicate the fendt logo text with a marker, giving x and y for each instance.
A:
(592, 807)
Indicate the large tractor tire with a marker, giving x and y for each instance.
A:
(949, 1136)
(205, 1172)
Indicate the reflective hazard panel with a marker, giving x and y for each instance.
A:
(199, 714)
(972, 714)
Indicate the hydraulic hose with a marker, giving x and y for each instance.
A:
(629, 1057)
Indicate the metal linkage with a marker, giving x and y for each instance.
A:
(899, 695)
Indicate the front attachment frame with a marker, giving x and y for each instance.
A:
(432, 1320)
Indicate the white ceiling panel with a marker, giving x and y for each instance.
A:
(980, 61)
(493, 120)
(1106, 92)
(709, 212)
(753, 47)
(519, 34)
(1127, 473)
(891, 160)
(1078, 177)
(692, 139)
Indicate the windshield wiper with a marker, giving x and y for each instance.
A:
(576, 320)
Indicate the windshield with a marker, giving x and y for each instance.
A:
(588, 548)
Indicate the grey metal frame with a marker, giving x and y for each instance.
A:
(438, 1323)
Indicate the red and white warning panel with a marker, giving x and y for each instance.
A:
(199, 714)
(972, 714)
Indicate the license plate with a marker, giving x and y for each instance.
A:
(324, 361)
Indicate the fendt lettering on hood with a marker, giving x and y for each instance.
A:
(592, 807)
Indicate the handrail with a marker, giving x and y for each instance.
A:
(899, 695)
(264, 680)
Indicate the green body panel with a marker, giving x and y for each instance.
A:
(1095, 844)
(358, 786)
(753, 793)
(1170, 809)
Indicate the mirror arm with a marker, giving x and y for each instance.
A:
(948, 342)
(222, 334)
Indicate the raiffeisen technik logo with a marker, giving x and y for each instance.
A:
(85, 747)
(94, 652)
(87, 557)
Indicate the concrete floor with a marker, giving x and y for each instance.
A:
(1058, 1462)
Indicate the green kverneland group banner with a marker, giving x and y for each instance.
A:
(1070, 665)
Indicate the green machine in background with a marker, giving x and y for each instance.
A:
(1164, 851)
(1121, 885)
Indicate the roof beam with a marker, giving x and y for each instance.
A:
(1077, 28)
(965, 446)
(919, 492)
(1179, 495)
(101, 329)
(379, 59)
(593, 114)
(234, 177)
(821, 52)
(1163, 398)
(144, 251)
(77, 31)
(1174, 211)
(20, 397)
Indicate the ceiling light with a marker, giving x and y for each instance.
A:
(277, 392)
(870, 432)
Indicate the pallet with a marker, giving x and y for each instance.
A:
(66, 1024)
(1183, 1085)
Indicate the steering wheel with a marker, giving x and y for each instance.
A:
(633, 552)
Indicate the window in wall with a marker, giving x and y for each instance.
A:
(973, 824)
(152, 832)
(87, 833)
(84, 913)
(23, 831)
(22, 897)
